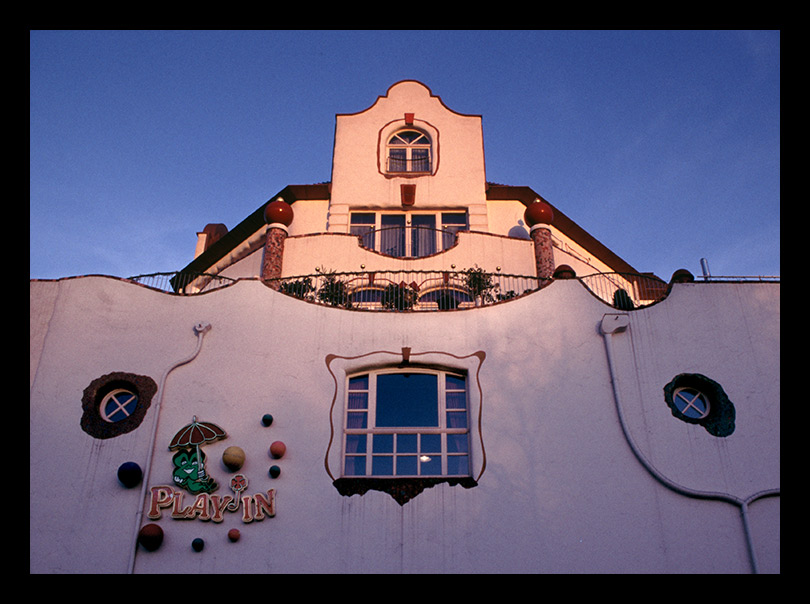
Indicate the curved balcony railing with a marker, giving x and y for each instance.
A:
(183, 283)
(408, 290)
(429, 290)
(407, 241)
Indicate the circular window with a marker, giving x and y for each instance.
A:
(118, 405)
(697, 399)
(691, 402)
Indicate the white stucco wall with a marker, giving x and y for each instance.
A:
(561, 491)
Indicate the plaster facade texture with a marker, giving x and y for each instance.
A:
(559, 489)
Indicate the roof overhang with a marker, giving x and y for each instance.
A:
(242, 231)
(526, 195)
(292, 193)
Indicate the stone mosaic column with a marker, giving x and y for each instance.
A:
(278, 215)
(538, 215)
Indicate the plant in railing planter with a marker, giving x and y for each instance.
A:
(399, 297)
(300, 288)
(507, 296)
(479, 284)
(333, 291)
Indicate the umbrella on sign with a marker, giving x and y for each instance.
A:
(196, 434)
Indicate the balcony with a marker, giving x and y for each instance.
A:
(407, 241)
(421, 290)
(407, 290)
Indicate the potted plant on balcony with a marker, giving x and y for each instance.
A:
(399, 296)
(333, 291)
(300, 288)
(479, 284)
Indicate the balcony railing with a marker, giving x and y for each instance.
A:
(407, 241)
(445, 290)
(183, 283)
(408, 290)
(431, 290)
(418, 163)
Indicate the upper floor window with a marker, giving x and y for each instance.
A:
(411, 235)
(409, 151)
(411, 423)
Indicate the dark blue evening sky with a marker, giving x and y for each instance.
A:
(663, 145)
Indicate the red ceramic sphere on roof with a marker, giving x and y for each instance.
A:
(278, 211)
(538, 212)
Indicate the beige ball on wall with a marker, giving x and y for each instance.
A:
(233, 458)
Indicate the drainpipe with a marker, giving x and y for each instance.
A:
(200, 329)
(619, 323)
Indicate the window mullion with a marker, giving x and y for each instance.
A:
(372, 420)
(443, 419)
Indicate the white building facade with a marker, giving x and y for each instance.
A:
(405, 370)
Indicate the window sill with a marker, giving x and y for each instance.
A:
(401, 489)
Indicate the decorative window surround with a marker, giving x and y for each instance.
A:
(403, 489)
(95, 423)
(696, 399)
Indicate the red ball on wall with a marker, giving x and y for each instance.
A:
(538, 212)
(150, 537)
(278, 211)
(277, 449)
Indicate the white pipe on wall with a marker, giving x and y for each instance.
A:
(200, 329)
(618, 323)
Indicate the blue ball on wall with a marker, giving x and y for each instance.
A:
(130, 474)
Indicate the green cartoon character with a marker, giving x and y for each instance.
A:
(189, 471)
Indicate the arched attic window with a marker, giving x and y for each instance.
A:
(408, 151)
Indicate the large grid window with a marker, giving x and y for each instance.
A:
(406, 424)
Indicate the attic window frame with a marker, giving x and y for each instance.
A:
(396, 141)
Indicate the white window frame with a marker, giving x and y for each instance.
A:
(409, 148)
(691, 402)
(461, 459)
(126, 403)
(443, 228)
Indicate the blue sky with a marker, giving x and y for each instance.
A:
(663, 145)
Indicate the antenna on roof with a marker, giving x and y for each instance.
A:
(704, 265)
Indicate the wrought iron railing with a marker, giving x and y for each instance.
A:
(183, 283)
(407, 290)
(418, 163)
(407, 241)
(626, 291)
(445, 290)
(430, 290)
